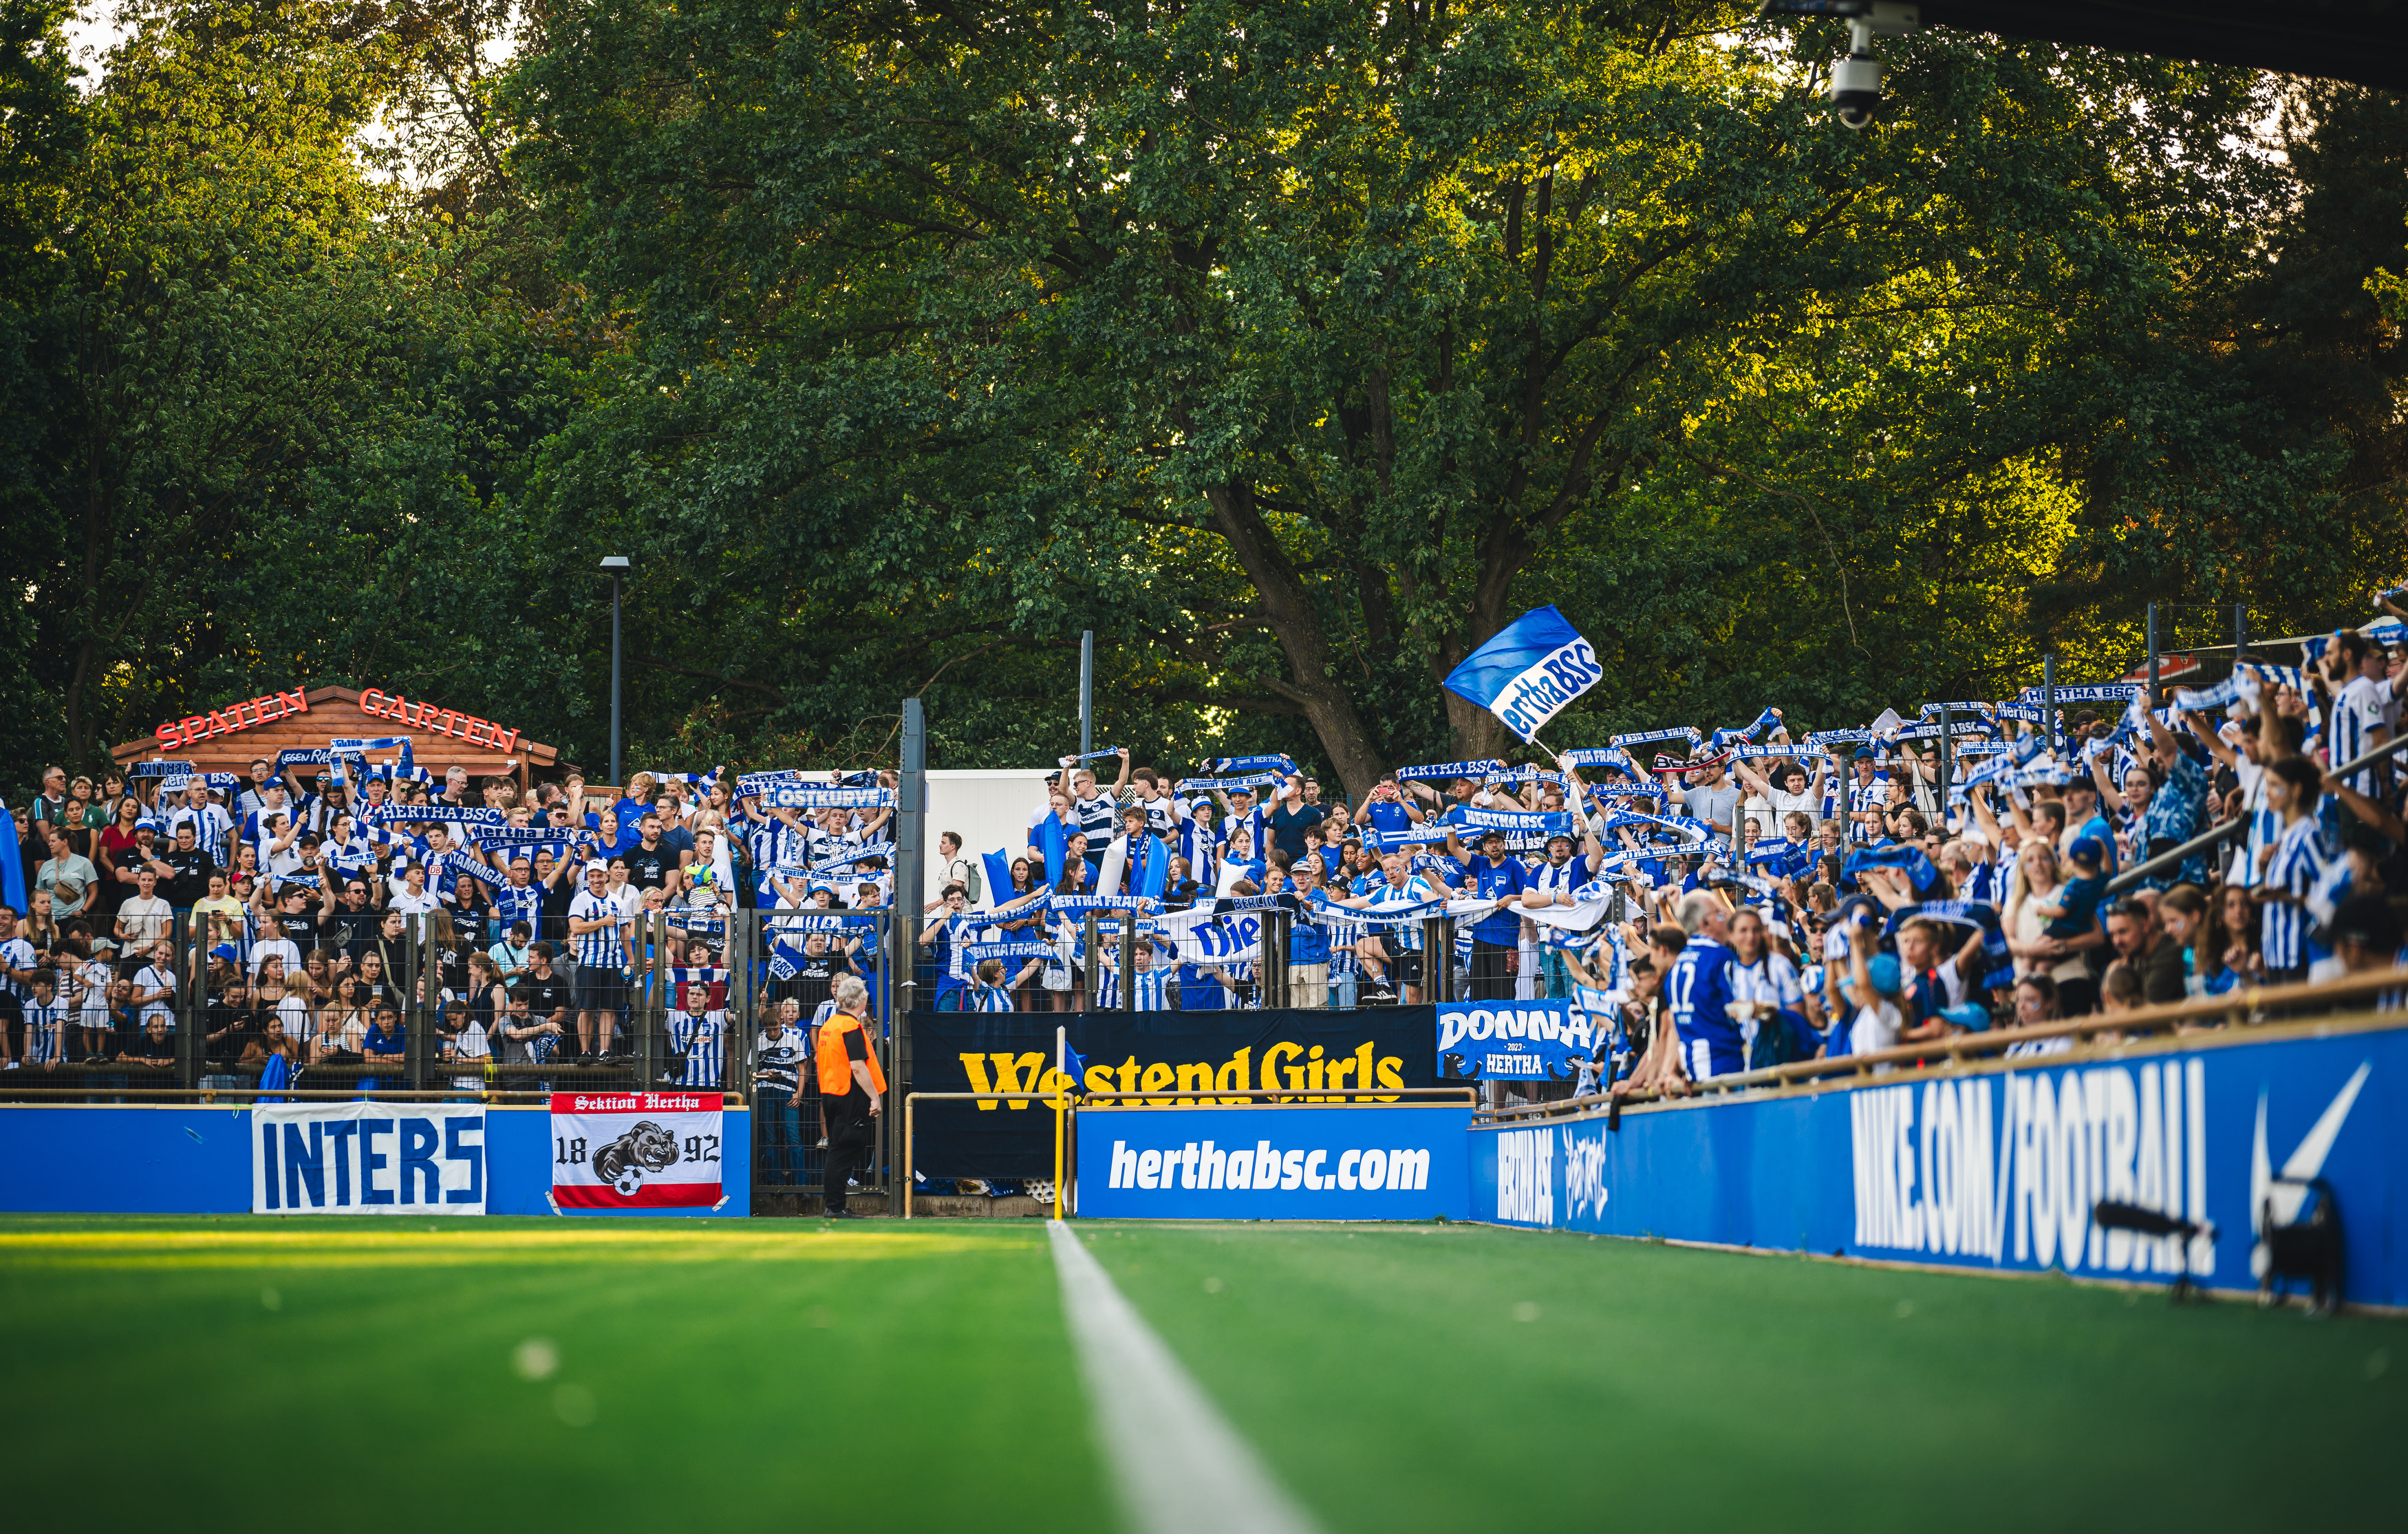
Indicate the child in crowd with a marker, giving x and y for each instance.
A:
(2076, 910)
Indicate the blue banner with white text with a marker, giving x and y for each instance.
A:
(1511, 1040)
(2002, 1168)
(1273, 1162)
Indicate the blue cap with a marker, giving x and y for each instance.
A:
(1969, 1016)
(1864, 754)
(1884, 973)
(225, 952)
(2087, 850)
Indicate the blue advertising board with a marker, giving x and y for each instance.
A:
(1512, 1040)
(1273, 1162)
(123, 1159)
(2001, 1168)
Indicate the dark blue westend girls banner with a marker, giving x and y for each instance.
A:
(1273, 1162)
(2001, 1170)
(1185, 1057)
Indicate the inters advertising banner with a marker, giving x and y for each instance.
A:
(636, 1150)
(368, 1158)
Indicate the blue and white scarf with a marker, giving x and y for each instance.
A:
(2105, 692)
(1229, 786)
(1525, 821)
(1645, 738)
(2231, 690)
(1606, 756)
(752, 785)
(1437, 771)
(1900, 855)
(1628, 791)
(1768, 720)
(793, 796)
(1282, 764)
(1078, 904)
(840, 863)
(440, 814)
(1013, 948)
(463, 863)
(1691, 832)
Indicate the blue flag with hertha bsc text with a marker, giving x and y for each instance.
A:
(1529, 672)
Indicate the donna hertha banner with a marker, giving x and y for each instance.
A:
(1512, 1040)
(368, 1158)
(636, 1150)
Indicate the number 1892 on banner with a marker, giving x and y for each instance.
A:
(636, 1150)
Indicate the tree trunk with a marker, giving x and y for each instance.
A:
(1287, 611)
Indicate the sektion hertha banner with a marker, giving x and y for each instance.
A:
(636, 1150)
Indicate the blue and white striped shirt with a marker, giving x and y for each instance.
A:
(2265, 826)
(43, 1044)
(1151, 992)
(2357, 714)
(703, 1041)
(2294, 866)
(983, 997)
(602, 946)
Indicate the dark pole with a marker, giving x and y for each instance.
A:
(1086, 693)
(910, 839)
(2048, 699)
(2153, 655)
(911, 818)
(617, 566)
(2240, 631)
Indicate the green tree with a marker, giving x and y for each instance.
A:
(1301, 347)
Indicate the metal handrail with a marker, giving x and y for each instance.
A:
(1289, 1094)
(2175, 857)
(2234, 1007)
(1060, 1099)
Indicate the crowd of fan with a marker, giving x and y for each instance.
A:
(1755, 900)
(304, 891)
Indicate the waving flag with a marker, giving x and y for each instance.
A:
(1529, 672)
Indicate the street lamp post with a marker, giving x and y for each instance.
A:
(617, 566)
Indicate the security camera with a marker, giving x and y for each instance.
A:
(1856, 87)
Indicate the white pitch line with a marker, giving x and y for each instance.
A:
(1177, 1464)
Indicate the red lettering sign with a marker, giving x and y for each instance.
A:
(254, 711)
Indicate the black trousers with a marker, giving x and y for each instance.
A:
(1490, 980)
(848, 1147)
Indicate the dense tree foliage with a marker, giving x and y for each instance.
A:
(1293, 349)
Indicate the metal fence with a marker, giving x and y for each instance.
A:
(1430, 960)
(197, 1015)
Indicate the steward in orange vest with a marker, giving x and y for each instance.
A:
(850, 1089)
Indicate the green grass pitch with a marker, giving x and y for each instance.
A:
(211, 1373)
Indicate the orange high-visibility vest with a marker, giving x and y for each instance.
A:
(836, 1066)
